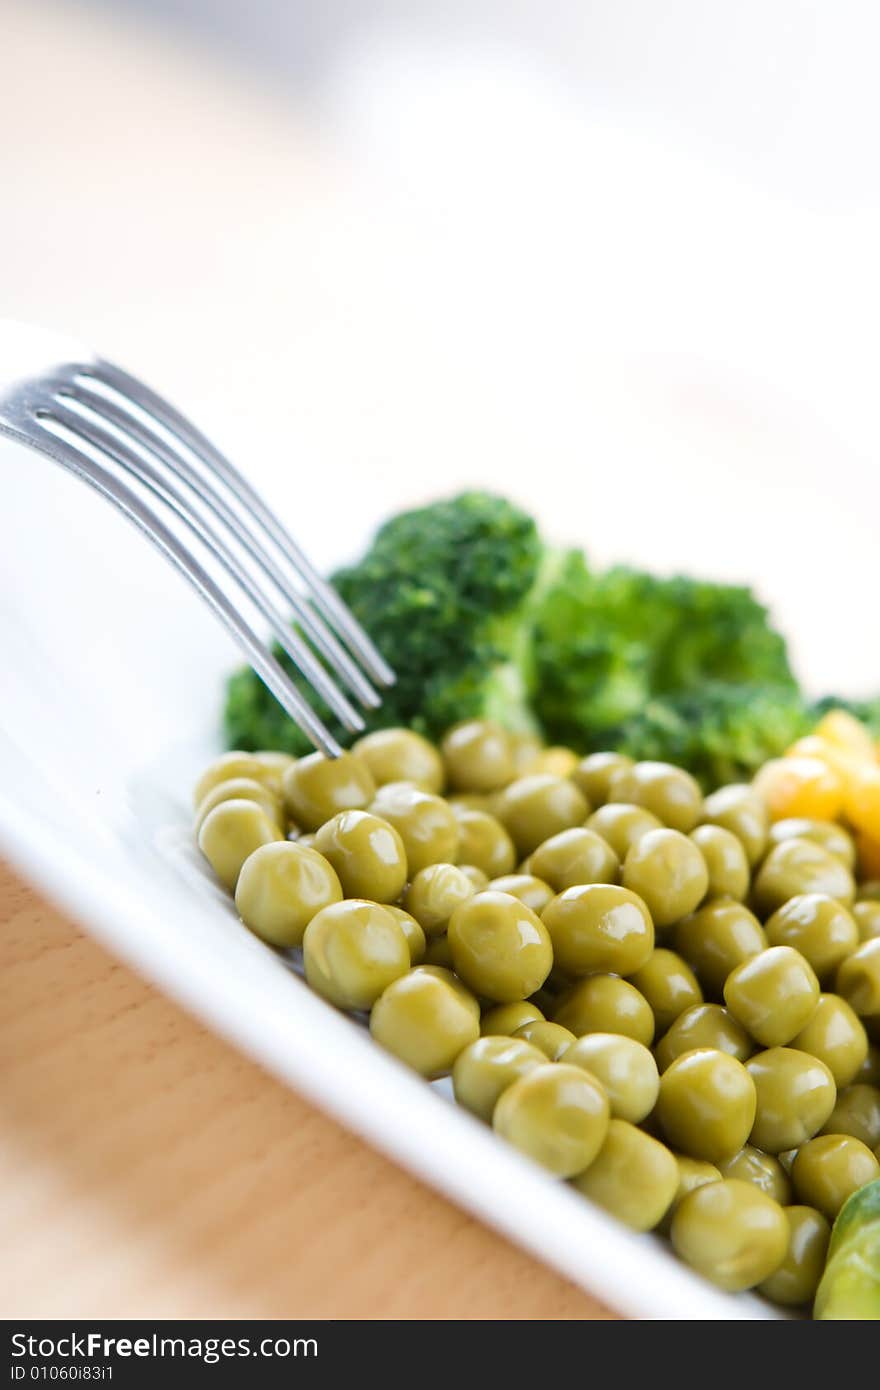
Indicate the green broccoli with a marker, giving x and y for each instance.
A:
(480, 619)
(677, 669)
(442, 591)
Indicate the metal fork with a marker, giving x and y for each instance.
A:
(109, 429)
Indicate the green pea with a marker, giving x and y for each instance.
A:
(550, 1038)
(605, 1004)
(796, 1280)
(704, 1025)
(633, 1177)
(426, 1018)
(726, 861)
(500, 948)
(599, 927)
(555, 1114)
(773, 995)
(280, 889)
(230, 833)
(706, 1104)
(485, 1068)
(669, 985)
(352, 951)
(830, 1168)
(668, 872)
(731, 1232)
(317, 788)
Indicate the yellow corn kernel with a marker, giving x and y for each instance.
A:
(843, 731)
(862, 800)
(800, 786)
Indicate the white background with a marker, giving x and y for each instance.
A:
(617, 259)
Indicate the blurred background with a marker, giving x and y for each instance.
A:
(617, 259)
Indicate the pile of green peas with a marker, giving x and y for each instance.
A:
(664, 999)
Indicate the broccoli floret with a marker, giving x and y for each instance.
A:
(480, 619)
(441, 591)
(677, 669)
(606, 645)
(720, 732)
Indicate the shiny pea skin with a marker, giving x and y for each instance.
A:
(836, 1035)
(764, 1170)
(593, 774)
(821, 928)
(773, 995)
(726, 861)
(739, 809)
(858, 978)
(367, 854)
(704, 1025)
(485, 843)
(485, 1069)
(550, 1038)
(669, 985)
(234, 765)
(230, 833)
(795, 1096)
(434, 894)
(534, 892)
(415, 937)
(504, 1019)
(536, 807)
(239, 789)
(832, 837)
(668, 872)
(597, 928)
(716, 939)
(479, 880)
(800, 866)
(856, 1112)
(706, 1104)
(625, 1068)
(634, 1177)
(668, 792)
(317, 788)
(500, 948)
(425, 1019)
(352, 951)
(425, 823)
(280, 889)
(478, 756)
(556, 1115)
(622, 825)
(605, 1004)
(830, 1168)
(866, 916)
(731, 1232)
(575, 856)
(692, 1173)
(400, 755)
(795, 1281)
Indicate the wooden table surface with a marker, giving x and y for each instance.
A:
(149, 1170)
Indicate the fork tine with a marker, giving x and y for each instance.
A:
(326, 598)
(204, 486)
(70, 456)
(167, 490)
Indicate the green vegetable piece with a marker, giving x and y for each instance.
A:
(850, 1286)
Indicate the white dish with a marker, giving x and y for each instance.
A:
(112, 674)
